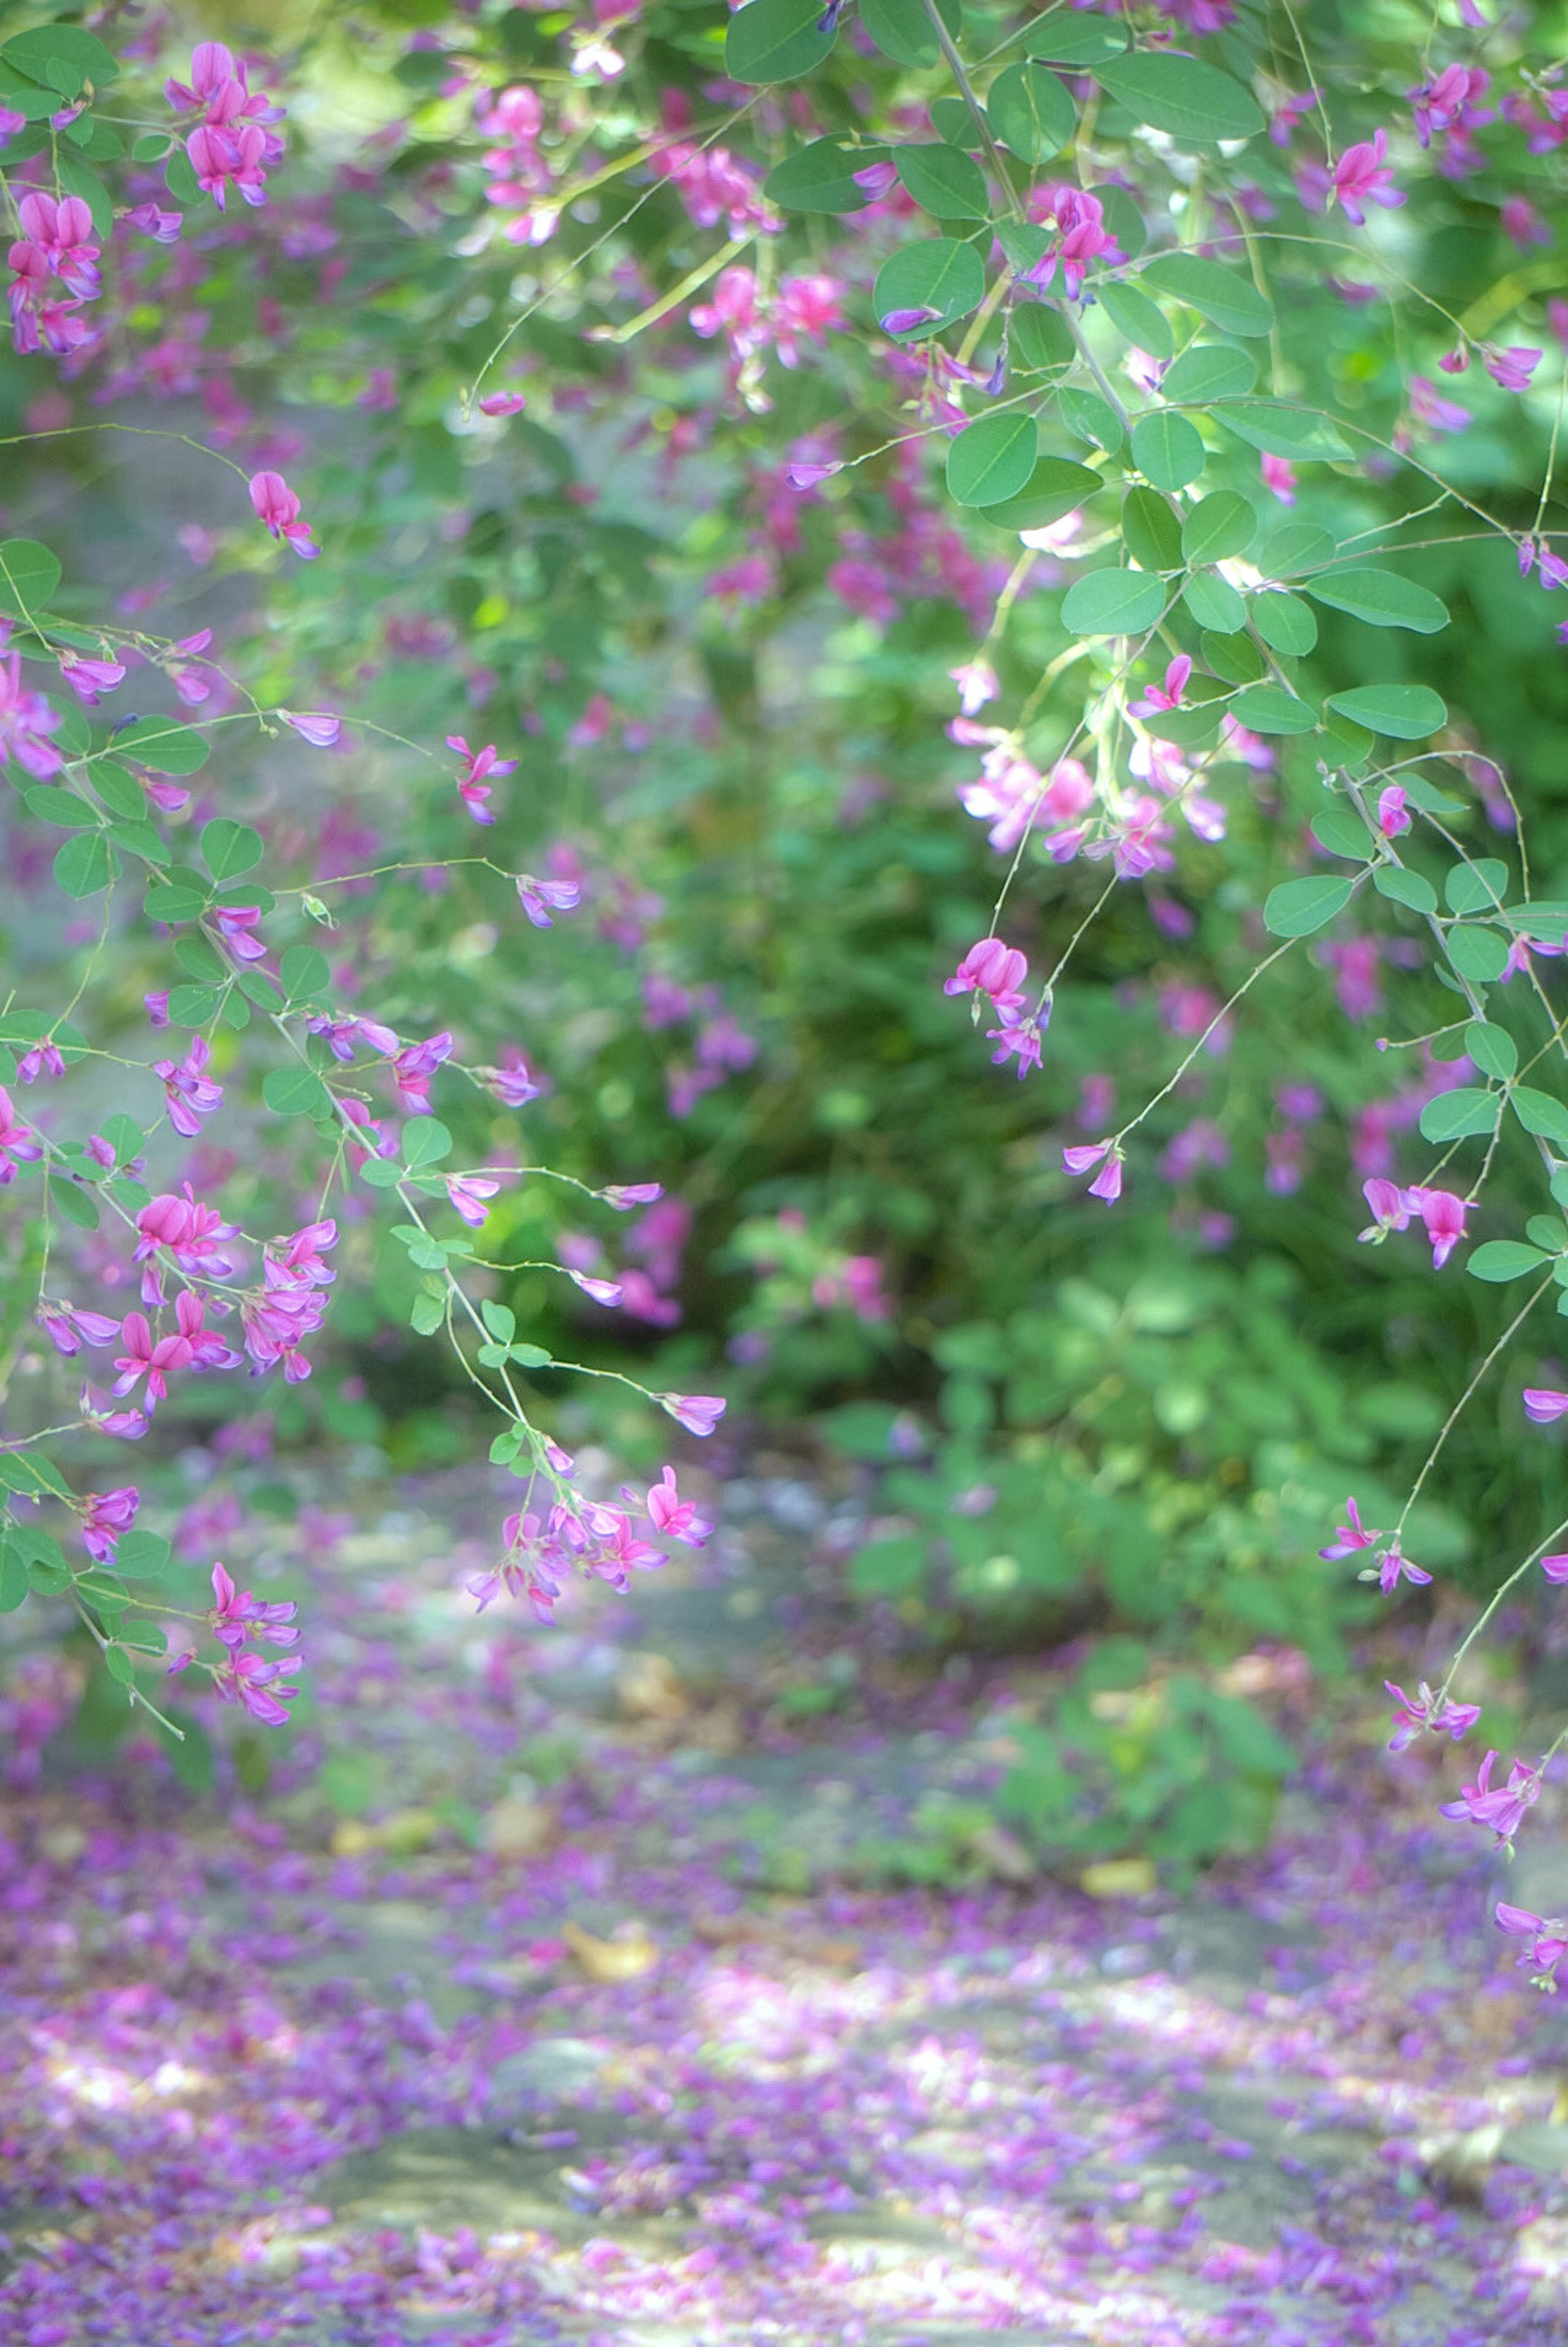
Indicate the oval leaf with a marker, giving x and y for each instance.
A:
(1295, 433)
(1150, 530)
(1409, 888)
(1055, 486)
(86, 865)
(1285, 624)
(902, 30)
(296, 1092)
(820, 177)
(1405, 712)
(1167, 450)
(944, 180)
(1223, 296)
(776, 40)
(163, 744)
(1208, 370)
(1030, 111)
(928, 285)
(1501, 1259)
(228, 848)
(1181, 96)
(1297, 908)
(1381, 598)
(1113, 603)
(992, 460)
(1538, 1113)
(1456, 1116)
(1267, 709)
(1214, 603)
(1134, 315)
(1217, 527)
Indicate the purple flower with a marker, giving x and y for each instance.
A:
(1548, 1937)
(1503, 1810)
(1543, 1404)
(1427, 1710)
(699, 1413)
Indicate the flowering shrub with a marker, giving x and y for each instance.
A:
(718, 405)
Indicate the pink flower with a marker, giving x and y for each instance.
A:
(190, 1094)
(1167, 695)
(473, 784)
(1426, 1710)
(1362, 177)
(1279, 477)
(1443, 1216)
(17, 1145)
(237, 1618)
(1544, 1404)
(607, 1292)
(109, 1514)
(1107, 1183)
(26, 721)
(677, 1518)
(1392, 818)
(259, 1686)
(1430, 410)
(470, 1193)
(623, 1197)
(539, 898)
(148, 1357)
(503, 403)
(1548, 1937)
(1392, 1209)
(1556, 1568)
(320, 726)
(1504, 1810)
(1353, 1536)
(70, 1328)
(699, 1413)
(277, 506)
(977, 684)
(992, 969)
(1512, 368)
(1021, 1037)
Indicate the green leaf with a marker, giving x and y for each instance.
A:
(1477, 954)
(1150, 532)
(1206, 372)
(1217, 527)
(35, 104)
(1458, 1115)
(506, 1446)
(902, 30)
(1285, 624)
(1181, 96)
(1502, 1260)
(228, 848)
(427, 1315)
(1478, 885)
(86, 865)
(776, 40)
(500, 1319)
(75, 179)
(1295, 433)
(1548, 922)
(164, 744)
(1548, 1232)
(199, 958)
(151, 147)
(1223, 296)
(425, 1141)
(1405, 712)
(125, 1137)
(194, 1006)
(180, 180)
(1056, 487)
(14, 1582)
(1167, 450)
(72, 1204)
(1538, 1113)
(306, 974)
(944, 180)
(180, 897)
(1343, 832)
(1299, 908)
(1298, 546)
(1089, 417)
(140, 839)
(1234, 657)
(1039, 339)
(1214, 603)
(120, 793)
(61, 807)
(143, 1556)
(1403, 887)
(1381, 598)
(29, 575)
(296, 1092)
(992, 459)
(258, 987)
(119, 1666)
(938, 275)
(531, 1357)
(1069, 40)
(379, 1173)
(1031, 112)
(1133, 315)
(1113, 603)
(820, 177)
(61, 57)
(1492, 1048)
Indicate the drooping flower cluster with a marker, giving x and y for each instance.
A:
(233, 145)
(53, 274)
(576, 1535)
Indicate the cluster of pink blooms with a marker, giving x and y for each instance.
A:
(1081, 237)
(519, 177)
(1440, 1211)
(998, 972)
(713, 184)
(802, 309)
(578, 1535)
(26, 723)
(1548, 1938)
(19, 1145)
(54, 272)
(234, 144)
(241, 1623)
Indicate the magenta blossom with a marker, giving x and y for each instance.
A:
(540, 898)
(1426, 1710)
(279, 507)
(18, 1144)
(1351, 1537)
(1544, 1404)
(471, 1193)
(1443, 1215)
(1362, 177)
(259, 1686)
(70, 1328)
(109, 1514)
(992, 969)
(1392, 816)
(190, 1093)
(1158, 697)
(1512, 368)
(318, 726)
(236, 1617)
(1021, 1037)
(677, 1518)
(1107, 1183)
(1548, 1937)
(503, 403)
(478, 766)
(27, 722)
(1278, 477)
(1392, 1209)
(1504, 1810)
(699, 1413)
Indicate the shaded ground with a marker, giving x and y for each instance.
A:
(583, 2033)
